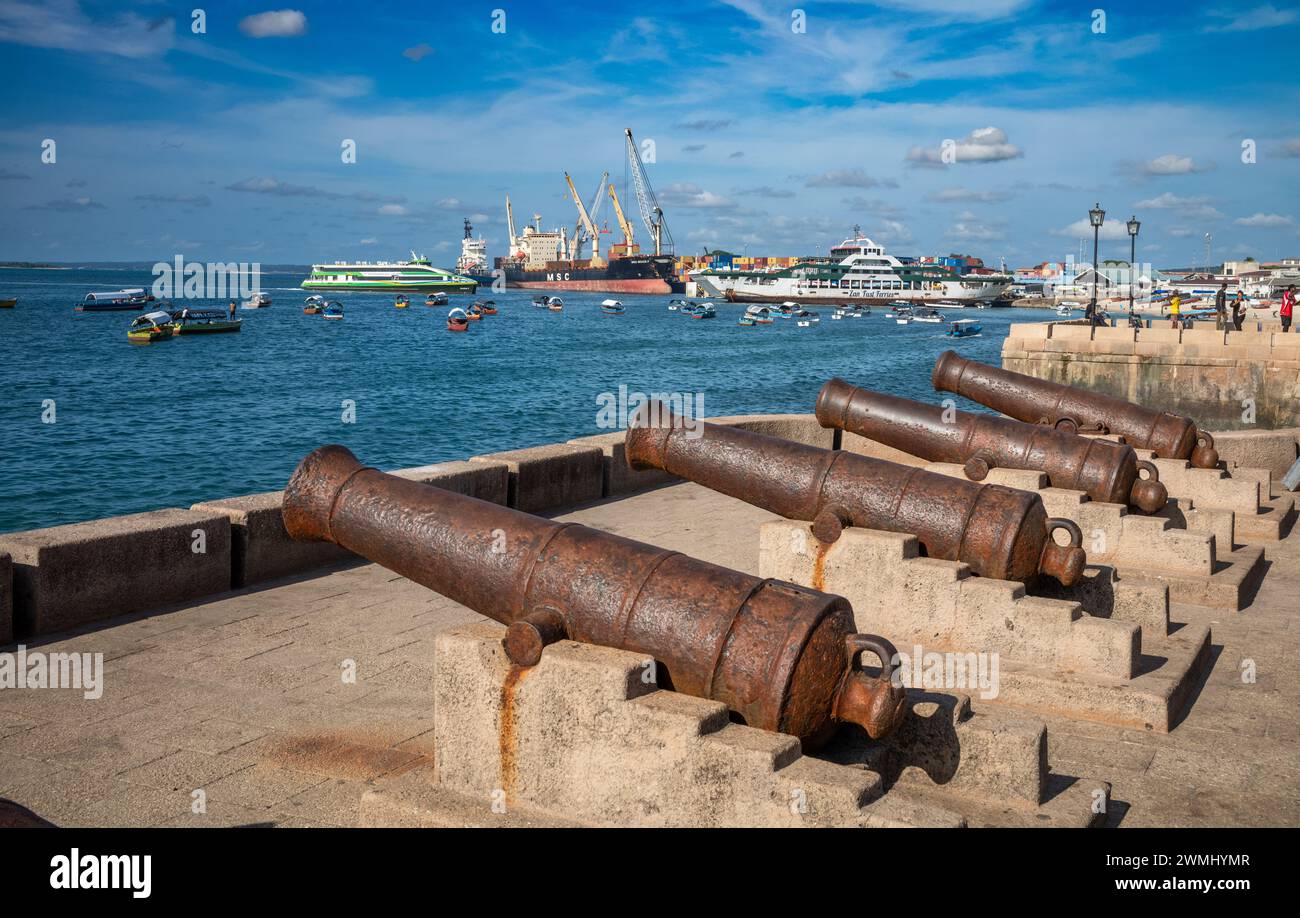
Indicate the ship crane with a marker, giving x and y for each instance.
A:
(596, 260)
(510, 222)
(629, 234)
(651, 212)
(579, 233)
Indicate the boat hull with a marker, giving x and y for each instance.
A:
(416, 286)
(111, 307)
(649, 274)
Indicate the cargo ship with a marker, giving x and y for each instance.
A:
(541, 259)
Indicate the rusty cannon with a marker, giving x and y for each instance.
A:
(1106, 471)
(999, 532)
(780, 656)
(1039, 401)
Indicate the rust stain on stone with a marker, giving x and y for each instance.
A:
(340, 754)
(507, 738)
(819, 567)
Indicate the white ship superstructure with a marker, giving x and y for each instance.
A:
(858, 270)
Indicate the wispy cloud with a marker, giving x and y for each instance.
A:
(418, 52)
(68, 205)
(1259, 17)
(195, 200)
(62, 24)
(1269, 221)
(847, 178)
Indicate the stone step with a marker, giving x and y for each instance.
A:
(1231, 586)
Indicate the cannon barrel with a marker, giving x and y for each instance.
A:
(1040, 401)
(1106, 471)
(780, 656)
(1000, 532)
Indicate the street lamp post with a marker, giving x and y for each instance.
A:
(1096, 217)
(1133, 226)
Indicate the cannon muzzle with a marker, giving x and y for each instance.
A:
(1106, 471)
(1039, 401)
(780, 656)
(1000, 532)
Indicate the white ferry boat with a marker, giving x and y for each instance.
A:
(417, 275)
(858, 271)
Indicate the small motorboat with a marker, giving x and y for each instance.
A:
(898, 310)
(612, 308)
(203, 322)
(131, 299)
(704, 311)
(679, 305)
(401, 302)
(333, 310)
(806, 317)
(8, 303)
(150, 327)
(474, 312)
(314, 305)
(964, 328)
(458, 320)
(540, 301)
(487, 307)
(436, 299)
(746, 320)
(933, 316)
(554, 304)
(257, 301)
(760, 314)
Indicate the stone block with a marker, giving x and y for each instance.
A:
(619, 477)
(67, 576)
(260, 548)
(552, 476)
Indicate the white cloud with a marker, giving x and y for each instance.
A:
(392, 210)
(1082, 229)
(62, 24)
(369, 240)
(1265, 220)
(982, 145)
(418, 52)
(973, 232)
(1197, 207)
(689, 194)
(274, 24)
(1170, 164)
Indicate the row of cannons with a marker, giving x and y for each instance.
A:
(781, 657)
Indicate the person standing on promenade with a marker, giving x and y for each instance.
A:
(1221, 308)
(1238, 310)
(1288, 306)
(1175, 309)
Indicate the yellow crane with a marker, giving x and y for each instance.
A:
(596, 260)
(629, 246)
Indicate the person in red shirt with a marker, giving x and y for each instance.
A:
(1288, 306)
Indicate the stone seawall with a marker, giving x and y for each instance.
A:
(1216, 377)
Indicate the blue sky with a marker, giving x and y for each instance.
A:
(226, 145)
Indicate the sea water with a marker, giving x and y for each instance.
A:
(93, 426)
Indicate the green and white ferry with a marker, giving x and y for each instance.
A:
(416, 275)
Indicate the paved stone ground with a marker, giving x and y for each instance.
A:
(242, 697)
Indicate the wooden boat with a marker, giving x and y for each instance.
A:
(760, 314)
(203, 322)
(682, 305)
(487, 307)
(334, 310)
(555, 304)
(150, 327)
(257, 301)
(314, 305)
(474, 313)
(964, 328)
(931, 316)
(746, 320)
(401, 302)
(612, 308)
(806, 317)
(436, 299)
(704, 311)
(457, 320)
(131, 299)
(9, 304)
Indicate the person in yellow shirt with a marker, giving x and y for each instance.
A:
(1175, 309)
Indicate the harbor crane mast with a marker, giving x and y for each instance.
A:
(629, 234)
(579, 231)
(596, 260)
(510, 222)
(651, 212)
